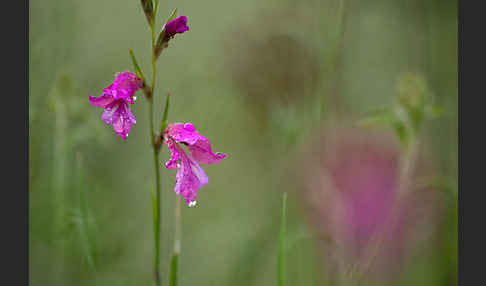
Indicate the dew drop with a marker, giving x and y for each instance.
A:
(189, 127)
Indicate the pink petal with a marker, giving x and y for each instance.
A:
(101, 101)
(119, 115)
(198, 145)
(175, 154)
(124, 86)
(183, 132)
(190, 178)
(176, 26)
(202, 153)
(110, 114)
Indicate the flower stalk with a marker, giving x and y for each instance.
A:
(174, 267)
(156, 150)
(116, 100)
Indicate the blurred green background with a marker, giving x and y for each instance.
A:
(258, 78)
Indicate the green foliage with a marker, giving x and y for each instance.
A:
(166, 113)
(174, 269)
(226, 240)
(138, 71)
(414, 105)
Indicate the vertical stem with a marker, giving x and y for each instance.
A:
(177, 221)
(338, 60)
(282, 250)
(59, 183)
(157, 219)
(177, 243)
(157, 216)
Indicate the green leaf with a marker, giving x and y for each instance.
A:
(166, 112)
(172, 15)
(138, 71)
(174, 269)
(390, 118)
(281, 262)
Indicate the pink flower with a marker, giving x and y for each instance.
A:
(351, 186)
(190, 176)
(176, 26)
(115, 101)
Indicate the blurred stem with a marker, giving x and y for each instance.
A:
(60, 164)
(156, 206)
(177, 242)
(84, 214)
(338, 61)
(177, 220)
(281, 262)
(59, 180)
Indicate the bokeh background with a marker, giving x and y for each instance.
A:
(270, 83)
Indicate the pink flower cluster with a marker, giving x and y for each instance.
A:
(190, 176)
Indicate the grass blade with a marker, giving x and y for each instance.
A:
(174, 269)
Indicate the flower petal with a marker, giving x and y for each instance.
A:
(183, 132)
(202, 153)
(190, 178)
(124, 86)
(124, 123)
(111, 113)
(119, 115)
(101, 101)
(176, 26)
(198, 145)
(175, 154)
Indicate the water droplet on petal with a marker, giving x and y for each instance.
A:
(189, 127)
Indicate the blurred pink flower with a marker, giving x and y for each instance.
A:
(352, 190)
(115, 101)
(190, 176)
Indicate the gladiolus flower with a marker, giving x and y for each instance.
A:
(115, 101)
(176, 26)
(190, 176)
(173, 27)
(352, 188)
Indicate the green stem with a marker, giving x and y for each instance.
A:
(337, 66)
(156, 206)
(282, 251)
(177, 221)
(157, 221)
(177, 243)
